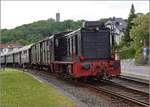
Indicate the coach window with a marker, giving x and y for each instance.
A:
(68, 47)
(72, 44)
(47, 45)
(57, 42)
(25, 52)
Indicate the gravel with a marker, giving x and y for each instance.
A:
(82, 96)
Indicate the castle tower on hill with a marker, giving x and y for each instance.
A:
(58, 17)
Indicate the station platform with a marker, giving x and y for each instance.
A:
(128, 68)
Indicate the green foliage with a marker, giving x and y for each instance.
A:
(33, 32)
(140, 35)
(140, 31)
(121, 45)
(132, 15)
(127, 53)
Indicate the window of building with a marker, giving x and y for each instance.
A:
(117, 23)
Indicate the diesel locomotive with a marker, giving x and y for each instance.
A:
(86, 52)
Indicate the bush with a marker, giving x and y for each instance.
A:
(127, 53)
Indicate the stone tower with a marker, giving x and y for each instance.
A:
(58, 17)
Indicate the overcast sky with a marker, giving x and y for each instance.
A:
(16, 13)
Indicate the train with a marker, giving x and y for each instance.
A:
(86, 52)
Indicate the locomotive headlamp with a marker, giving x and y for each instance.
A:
(86, 66)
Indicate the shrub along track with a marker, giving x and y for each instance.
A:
(123, 94)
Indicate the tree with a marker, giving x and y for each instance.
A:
(140, 35)
(132, 15)
(33, 32)
(140, 31)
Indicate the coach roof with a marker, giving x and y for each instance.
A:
(18, 50)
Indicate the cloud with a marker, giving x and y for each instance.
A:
(15, 13)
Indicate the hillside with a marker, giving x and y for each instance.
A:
(30, 33)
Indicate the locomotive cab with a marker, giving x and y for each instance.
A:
(91, 42)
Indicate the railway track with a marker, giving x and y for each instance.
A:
(135, 96)
(125, 94)
(133, 79)
(133, 83)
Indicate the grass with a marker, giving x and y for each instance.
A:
(18, 89)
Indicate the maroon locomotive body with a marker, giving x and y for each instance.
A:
(87, 52)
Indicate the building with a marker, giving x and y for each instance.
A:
(57, 17)
(4, 48)
(119, 25)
